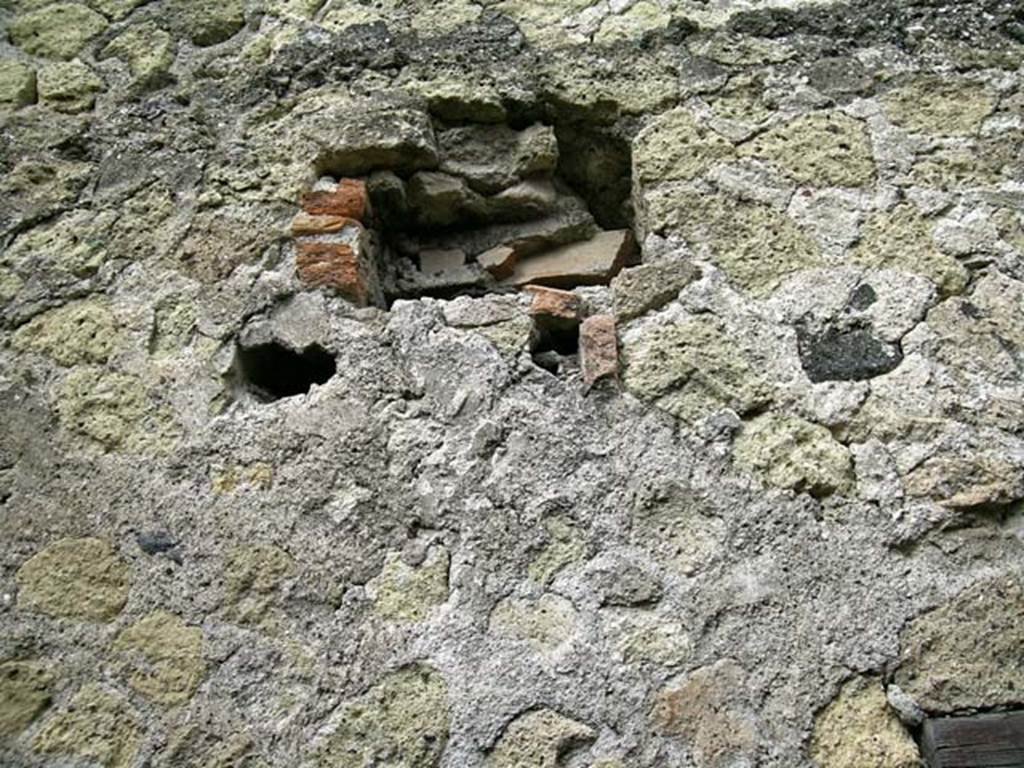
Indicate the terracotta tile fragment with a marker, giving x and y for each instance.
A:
(554, 303)
(599, 351)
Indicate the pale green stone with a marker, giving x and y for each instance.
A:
(641, 18)
(859, 730)
(97, 726)
(692, 369)
(675, 146)
(205, 22)
(940, 106)
(75, 578)
(826, 149)
(148, 51)
(68, 86)
(966, 654)
(102, 405)
(409, 593)
(792, 453)
(755, 245)
(538, 739)
(543, 623)
(901, 239)
(80, 332)
(161, 657)
(26, 688)
(57, 31)
(401, 722)
(17, 84)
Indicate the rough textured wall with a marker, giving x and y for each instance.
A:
(779, 529)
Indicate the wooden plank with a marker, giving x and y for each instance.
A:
(982, 741)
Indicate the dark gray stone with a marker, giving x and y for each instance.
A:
(850, 354)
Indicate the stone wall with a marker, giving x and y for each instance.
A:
(509, 383)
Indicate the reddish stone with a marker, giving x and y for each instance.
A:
(314, 224)
(333, 265)
(347, 199)
(599, 349)
(554, 303)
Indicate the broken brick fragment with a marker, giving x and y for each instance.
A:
(554, 304)
(599, 349)
(348, 199)
(335, 266)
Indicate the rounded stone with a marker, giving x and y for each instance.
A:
(25, 691)
(97, 726)
(162, 657)
(75, 578)
(401, 721)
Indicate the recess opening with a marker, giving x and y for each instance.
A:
(273, 371)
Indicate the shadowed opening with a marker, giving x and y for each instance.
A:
(273, 371)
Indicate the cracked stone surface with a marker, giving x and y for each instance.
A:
(766, 510)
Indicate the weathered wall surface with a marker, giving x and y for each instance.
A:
(787, 529)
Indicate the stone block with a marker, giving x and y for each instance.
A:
(591, 262)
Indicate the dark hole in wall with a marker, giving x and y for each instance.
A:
(552, 342)
(272, 371)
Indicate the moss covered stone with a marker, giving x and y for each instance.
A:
(17, 84)
(940, 106)
(827, 149)
(792, 453)
(25, 691)
(538, 739)
(57, 31)
(858, 730)
(407, 593)
(80, 332)
(692, 369)
(540, 20)
(75, 578)
(901, 239)
(68, 86)
(207, 23)
(676, 147)
(402, 722)
(162, 657)
(97, 725)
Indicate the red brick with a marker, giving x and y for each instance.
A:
(599, 349)
(347, 199)
(332, 265)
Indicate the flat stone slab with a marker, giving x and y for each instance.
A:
(591, 262)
